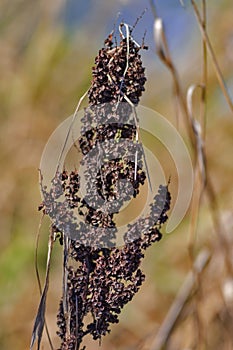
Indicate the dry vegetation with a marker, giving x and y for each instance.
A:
(42, 76)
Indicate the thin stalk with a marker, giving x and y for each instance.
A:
(39, 280)
(212, 55)
(204, 74)
(163, 53)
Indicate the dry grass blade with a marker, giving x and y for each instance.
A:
(69, 130)
(200, 182)
(204, 74)
(153, 8)
(199, 168)
(218, 225)
(197, 131)
(181, 298)
(38, 277)
(212, 55)
(163, 53)
(40, 317)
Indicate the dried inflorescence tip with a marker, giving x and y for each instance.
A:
(111, 82)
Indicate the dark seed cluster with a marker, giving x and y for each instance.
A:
(100, 278)
(110, 81)
(107, 278)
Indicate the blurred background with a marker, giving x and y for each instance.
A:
(47, 50)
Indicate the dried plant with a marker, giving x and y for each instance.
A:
(100, 278)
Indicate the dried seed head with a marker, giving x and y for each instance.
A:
(102, 278)
(111, 82)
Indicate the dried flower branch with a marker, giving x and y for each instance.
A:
(99, 278)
